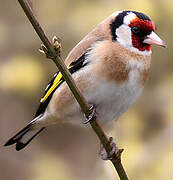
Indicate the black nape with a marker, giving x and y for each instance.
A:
(116, 23)
(141, 15)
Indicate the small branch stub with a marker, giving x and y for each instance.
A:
(56, 43)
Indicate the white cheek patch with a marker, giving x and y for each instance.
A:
(124, 36)
(128, 18)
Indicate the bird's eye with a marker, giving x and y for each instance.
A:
(135, 29)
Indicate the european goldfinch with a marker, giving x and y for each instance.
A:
(110, 67)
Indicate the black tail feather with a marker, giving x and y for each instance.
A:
(15, 138)
(20, 143)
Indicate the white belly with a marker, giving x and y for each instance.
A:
(113, 100)
(110, 99)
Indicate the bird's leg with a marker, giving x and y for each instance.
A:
(56, 43)
(92, 115)
(102, 150)
(117, 152)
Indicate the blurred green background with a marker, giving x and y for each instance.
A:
(68, 152)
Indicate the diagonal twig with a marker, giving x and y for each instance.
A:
(116, 159)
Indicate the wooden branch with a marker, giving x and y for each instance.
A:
(116, 158)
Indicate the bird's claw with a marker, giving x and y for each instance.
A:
(56, 43)
(92, 116)
(111, 153)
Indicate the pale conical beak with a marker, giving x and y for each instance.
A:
(153, 38)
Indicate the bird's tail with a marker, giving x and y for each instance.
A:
(24, 137)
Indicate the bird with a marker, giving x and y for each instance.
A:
(110, 66)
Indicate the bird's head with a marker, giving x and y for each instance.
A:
(134, 31)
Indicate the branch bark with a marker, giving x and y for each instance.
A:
(116, 159)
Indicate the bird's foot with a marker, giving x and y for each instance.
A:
(111, 153)
(92, 115)
(56, 43)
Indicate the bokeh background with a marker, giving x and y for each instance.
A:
(68, 152)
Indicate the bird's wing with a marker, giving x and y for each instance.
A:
(57, 81)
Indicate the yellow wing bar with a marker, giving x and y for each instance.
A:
(56, 82)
